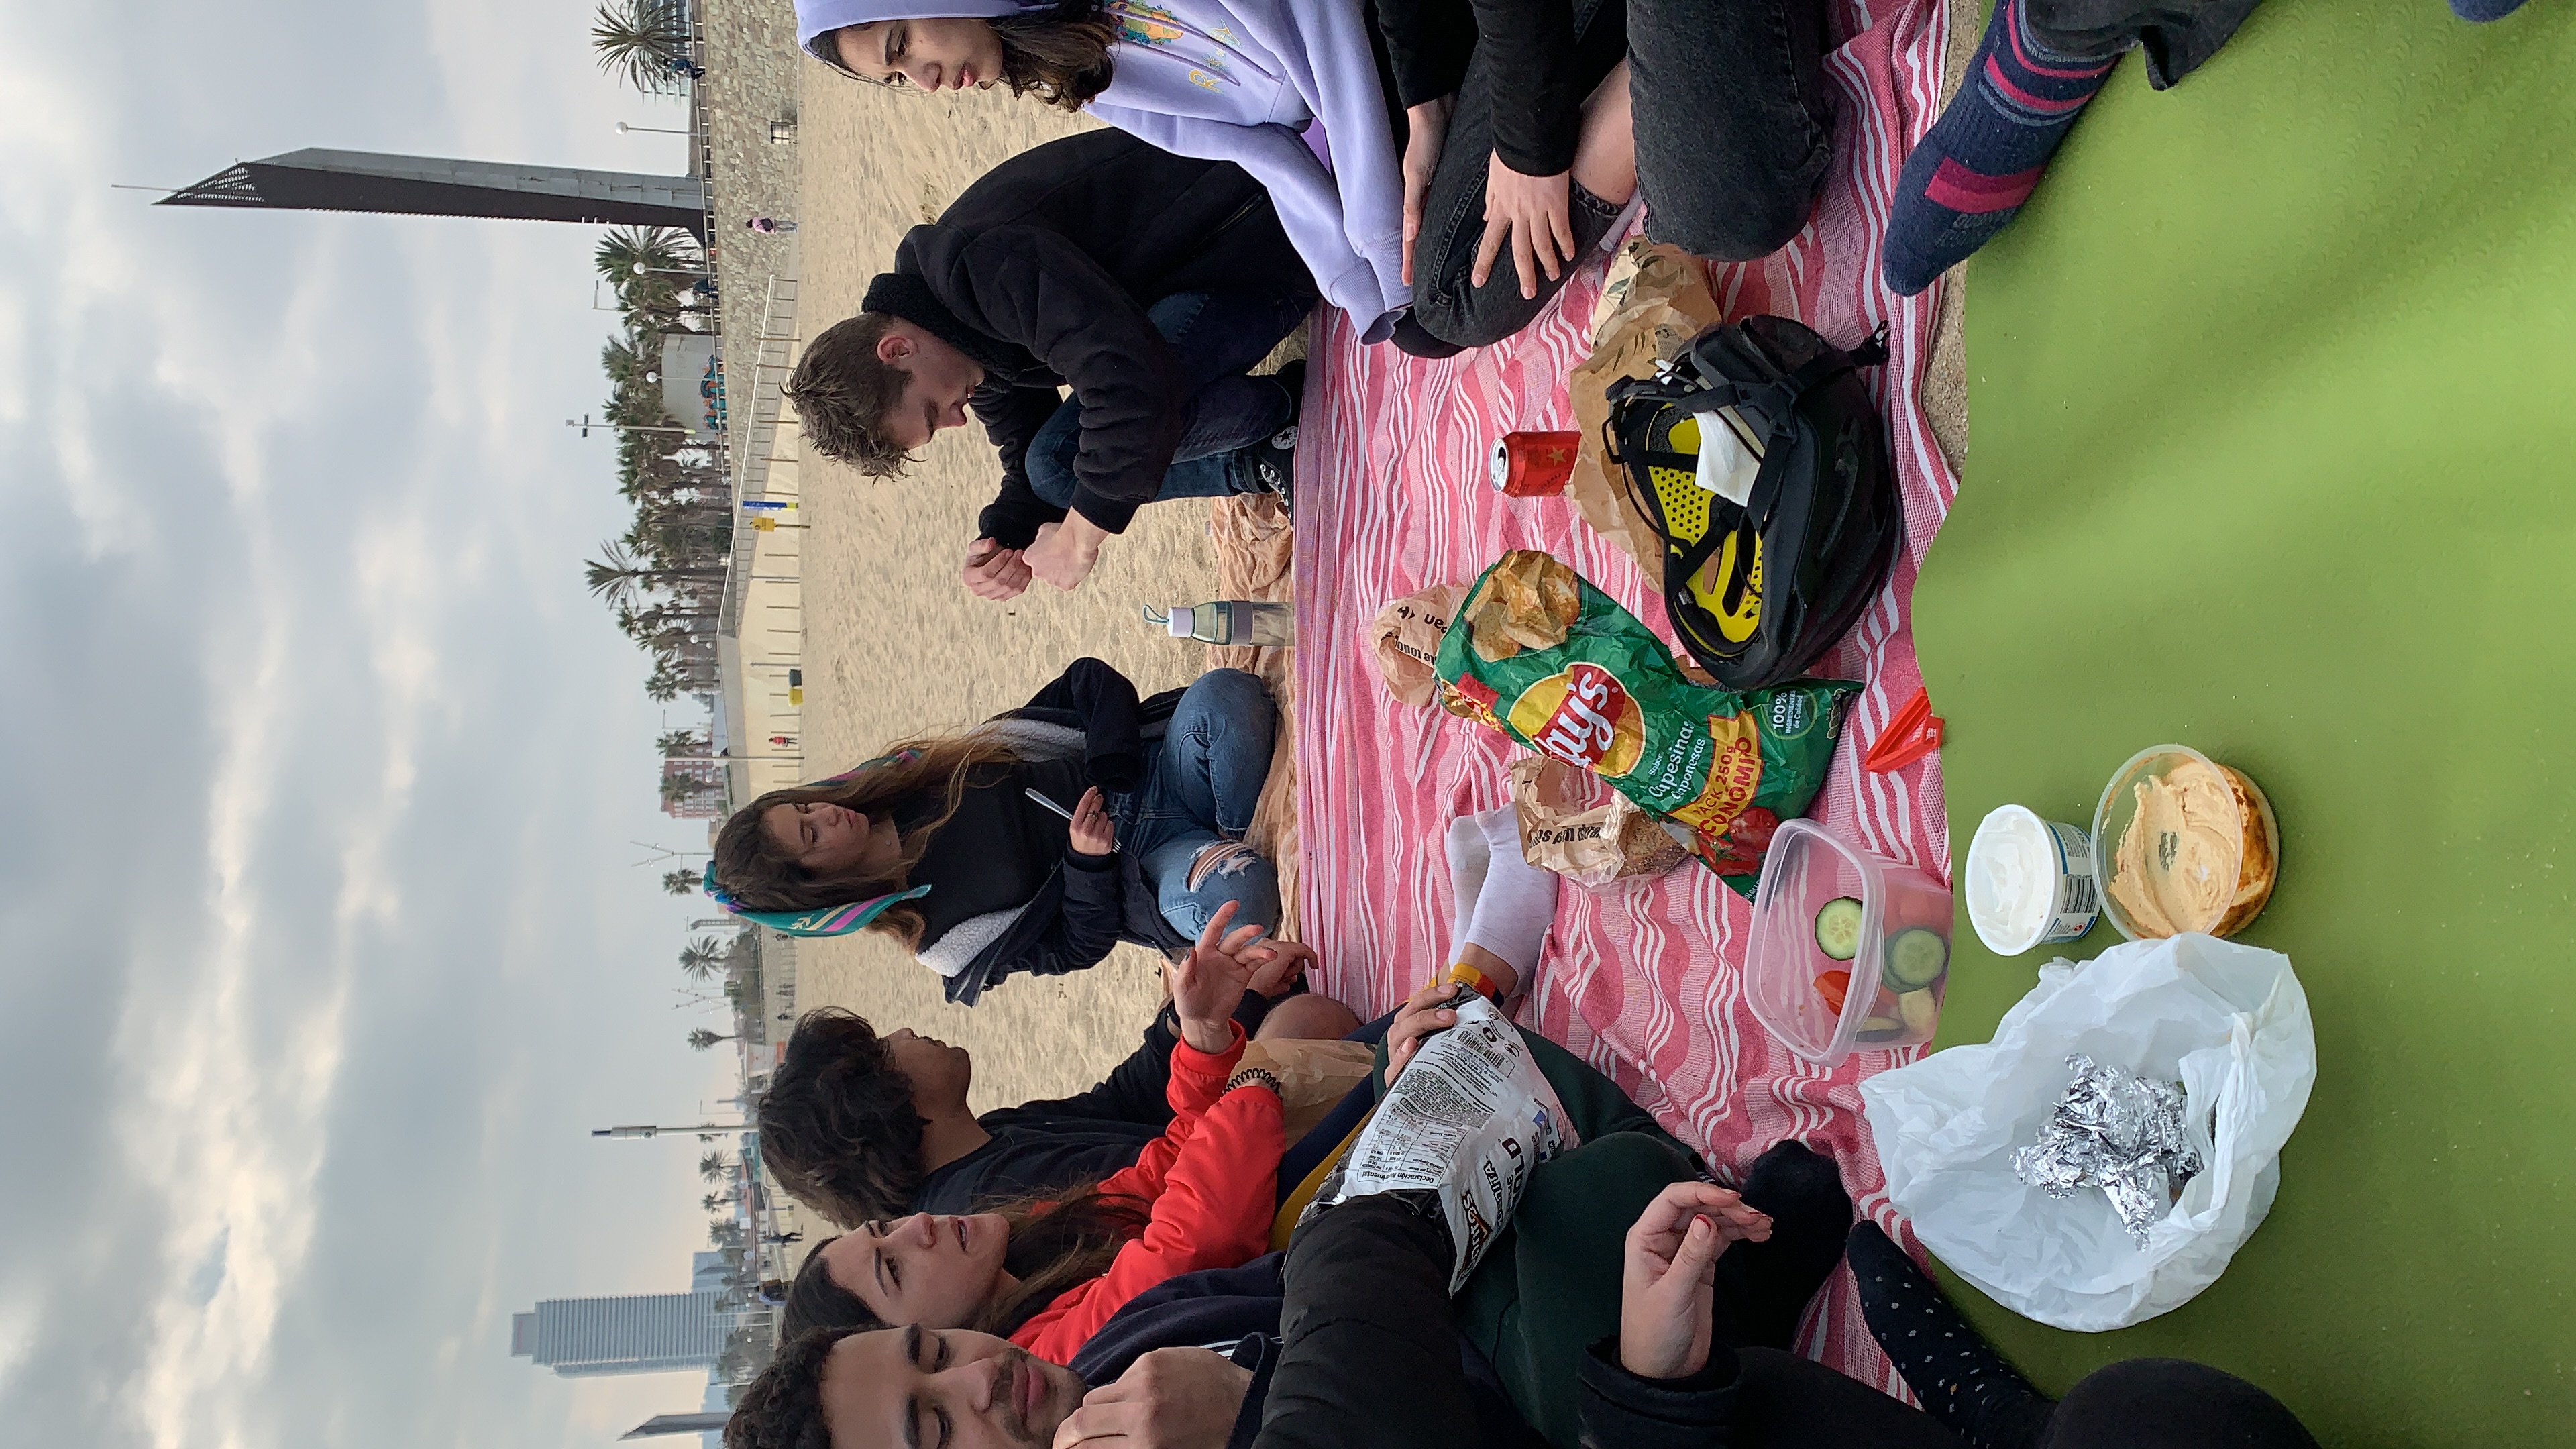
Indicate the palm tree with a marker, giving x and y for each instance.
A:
(701, 1039)
(713, 1202)
(638, 40)
(703, 957)
(659, 250)
(623, 359)
(618, 576)
(682, 882)
(715, 1167)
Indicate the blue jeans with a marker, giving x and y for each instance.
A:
(1201, 786)
(1218, 335)
(1734, 125)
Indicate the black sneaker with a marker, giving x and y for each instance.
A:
(1274, 465)
(1274, 462)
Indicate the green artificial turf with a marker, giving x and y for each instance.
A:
(2273, 397)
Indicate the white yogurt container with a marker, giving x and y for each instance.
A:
(2029, 881)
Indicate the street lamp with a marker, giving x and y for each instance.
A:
(624, 129)
(585, 424)
(646, 1133)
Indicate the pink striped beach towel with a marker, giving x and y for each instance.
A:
(1643, 978)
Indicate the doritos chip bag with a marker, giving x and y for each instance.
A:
(1556, 664)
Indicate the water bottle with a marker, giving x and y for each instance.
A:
(1229, 621)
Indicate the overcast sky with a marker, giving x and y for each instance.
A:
(322, 945)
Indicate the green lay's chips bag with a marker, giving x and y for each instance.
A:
(1556, 664)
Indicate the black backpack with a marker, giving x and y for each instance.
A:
(1757, 592)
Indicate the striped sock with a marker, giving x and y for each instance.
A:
(1968, 175)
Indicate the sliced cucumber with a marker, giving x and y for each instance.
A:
(1838, 928)
(1920, 1013)
(1915, 959)
(1912, 1019)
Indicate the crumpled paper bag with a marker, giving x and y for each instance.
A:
(1314, 1076)
(1404, 642)
(1655, 300)
(1574, 824)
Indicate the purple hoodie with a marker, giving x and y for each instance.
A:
(1261, 83)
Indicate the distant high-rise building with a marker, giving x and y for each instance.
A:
(638, 1334)
(323, 180)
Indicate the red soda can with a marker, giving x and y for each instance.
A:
(1533, 465)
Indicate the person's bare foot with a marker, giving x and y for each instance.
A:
(1605, 149)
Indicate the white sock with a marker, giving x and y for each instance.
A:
(1468, 859)
(1517, 900)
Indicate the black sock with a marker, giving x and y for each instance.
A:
(1772, 1280)
(1959, 1379)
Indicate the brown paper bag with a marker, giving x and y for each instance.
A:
(1404, 642)
(1654, 302)
(1314, 1076)
(1574, 824)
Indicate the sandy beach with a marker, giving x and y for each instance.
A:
(894, 645)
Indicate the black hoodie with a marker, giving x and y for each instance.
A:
(1042, 272)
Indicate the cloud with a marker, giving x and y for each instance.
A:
(210, 1272)
(321, 942)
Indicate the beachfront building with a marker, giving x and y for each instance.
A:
(693, 789)
(638, 1333)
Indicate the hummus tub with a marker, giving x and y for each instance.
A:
(1904, 912)
(2182, 843)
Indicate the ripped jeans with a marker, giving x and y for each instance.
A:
(1201, 786)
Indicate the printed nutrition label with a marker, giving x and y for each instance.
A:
(1468, 1120)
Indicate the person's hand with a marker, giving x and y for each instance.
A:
(1666, 1275)
(994, 572)
(1090, 833)
(1424, 1012)
(1172, 1398)
(1276, 965)
(1065, 552)
(1533, 216)
(1426, 128)
(1209, 982)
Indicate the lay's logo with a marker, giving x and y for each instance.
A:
(1591, 722)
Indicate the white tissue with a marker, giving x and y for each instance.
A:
(1727, 468)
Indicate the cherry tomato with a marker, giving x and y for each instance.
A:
(1833, 986)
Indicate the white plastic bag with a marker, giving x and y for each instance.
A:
(2227, 1021)
(1469, 1119)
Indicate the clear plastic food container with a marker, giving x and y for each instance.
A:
(1819, 894)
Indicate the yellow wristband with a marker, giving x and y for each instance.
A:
(1474, 980)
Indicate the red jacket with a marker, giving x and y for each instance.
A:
(1212, 1178)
